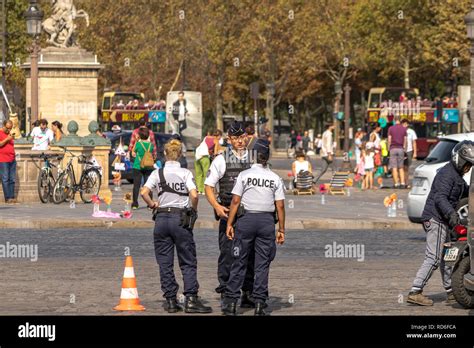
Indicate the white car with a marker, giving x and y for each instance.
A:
(425, 173)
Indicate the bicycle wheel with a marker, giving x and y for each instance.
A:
(44, 187)
(63, 188)
(90, 184)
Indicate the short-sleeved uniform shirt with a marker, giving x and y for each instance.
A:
(179, 179)
(259, 188)
(218, 168)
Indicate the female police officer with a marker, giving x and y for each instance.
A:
(259, 190)
(176, 188)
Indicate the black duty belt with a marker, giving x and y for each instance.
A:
(171, 210)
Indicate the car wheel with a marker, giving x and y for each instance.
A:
(130, 181)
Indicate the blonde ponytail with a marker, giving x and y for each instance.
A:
(173, 150)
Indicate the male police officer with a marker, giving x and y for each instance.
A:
(224, 171)
(439, 215)
(174, 222)
(259, 190)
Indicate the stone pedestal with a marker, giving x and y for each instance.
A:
(68, 86)
(27, 172)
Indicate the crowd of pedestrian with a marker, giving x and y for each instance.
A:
(390, 156)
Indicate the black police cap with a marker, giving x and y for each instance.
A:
(262, 146)
(236, 129)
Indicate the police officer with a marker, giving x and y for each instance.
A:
(439, 216)
(173, 228)
(258, 190)
(223, 172)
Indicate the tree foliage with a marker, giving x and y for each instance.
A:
(302, 47)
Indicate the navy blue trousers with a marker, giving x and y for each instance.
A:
(254, 233)
(168, 235)
(224, 263)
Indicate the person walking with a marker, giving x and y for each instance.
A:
(411, 148)
(135, 137)
(439, 216)
(318, 143)
(306, 140)
(358, 145)
(224, 171)
(397, 143)
(259, 193)
(176, 212)
(327, 150)
(299, 142)
(143, 163)
(7, 162)
(202, 162)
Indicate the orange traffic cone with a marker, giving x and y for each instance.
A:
(129, 300)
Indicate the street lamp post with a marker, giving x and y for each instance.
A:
(33, 17)
(347, 112)
(469, 277)
(338, 91)
(219, 118)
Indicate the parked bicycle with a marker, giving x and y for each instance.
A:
(46, 177)
(66, 185)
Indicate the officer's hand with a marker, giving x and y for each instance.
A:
(454, 219)
(230, 232)
(280, 237)
(222, 211)
(154, 205)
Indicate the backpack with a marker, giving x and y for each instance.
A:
(147, 161)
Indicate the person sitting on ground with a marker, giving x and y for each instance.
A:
(301, 165)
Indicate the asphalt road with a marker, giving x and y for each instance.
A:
(80, 272)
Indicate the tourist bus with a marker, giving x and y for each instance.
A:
(385, 103)
(125, 109)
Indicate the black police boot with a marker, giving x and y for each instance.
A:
(259, 309)
(246, 301)
(194, 305)
(172, 305)
(229, 309)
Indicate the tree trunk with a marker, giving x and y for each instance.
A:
(219, 107)
(406, 72)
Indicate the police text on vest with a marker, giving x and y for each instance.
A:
(261, 182)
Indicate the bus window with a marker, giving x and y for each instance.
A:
(106, 104)
(374, 100)
(420, 129)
